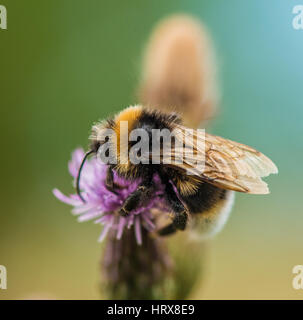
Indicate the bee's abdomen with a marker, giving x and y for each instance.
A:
(209, 210)
(204, 199)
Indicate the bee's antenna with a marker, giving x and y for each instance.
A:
(79, 174)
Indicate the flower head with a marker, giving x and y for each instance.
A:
(101, 205)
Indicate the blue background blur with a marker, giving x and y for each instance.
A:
(67, 63)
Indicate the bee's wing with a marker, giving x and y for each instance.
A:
(228, 164)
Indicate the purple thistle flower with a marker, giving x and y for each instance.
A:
(102, 205)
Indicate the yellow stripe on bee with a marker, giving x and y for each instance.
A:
(130, 115)
(188, 186)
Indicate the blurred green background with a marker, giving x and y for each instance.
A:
(67, 63)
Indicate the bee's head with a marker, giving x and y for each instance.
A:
(126, 140)
(101, 133)
(115, 140)
(110, 138)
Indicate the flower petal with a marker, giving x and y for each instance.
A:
(106, 229)
(84, 208)
(75, 162)
(149, 223)
(59, 195)
(92, 214)
(122, 223)
(138, 230)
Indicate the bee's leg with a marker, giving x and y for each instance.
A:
(109, 181)
(180, 212)
(167, 230)
(139, 196)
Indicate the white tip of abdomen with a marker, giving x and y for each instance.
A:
(205, 225)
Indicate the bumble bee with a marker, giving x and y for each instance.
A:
(202, 200)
